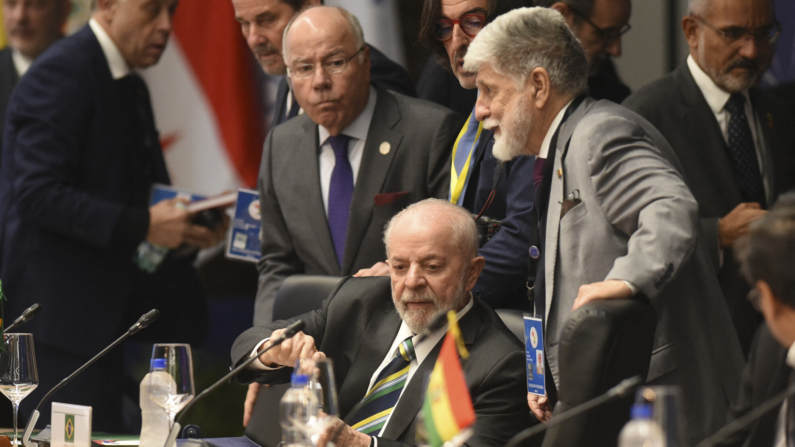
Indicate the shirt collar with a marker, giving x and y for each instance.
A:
(423, 348)
(791, 356)
(21, 62)
(716, 97)
(118, 66)
(360, 126)
(551, 131)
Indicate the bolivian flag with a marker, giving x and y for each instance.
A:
(448, 408)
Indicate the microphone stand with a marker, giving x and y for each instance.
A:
(142, 322)
(26, 315)
(618, 391)
(289, 332)
(748, 418)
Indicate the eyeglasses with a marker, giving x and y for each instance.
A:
(608, 35)
(470, 24)
(732, 34)
(753, 298)
(335, 65)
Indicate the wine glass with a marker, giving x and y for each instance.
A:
(18, 373)
(321, 382)
(171, 379)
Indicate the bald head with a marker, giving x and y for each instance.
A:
(318, 18)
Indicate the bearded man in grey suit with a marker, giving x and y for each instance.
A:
(617, 219)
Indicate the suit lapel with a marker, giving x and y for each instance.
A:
(305, 160)
(373, 347)
(411, 400)
(766, 122)
(372, 173)
(708, 140)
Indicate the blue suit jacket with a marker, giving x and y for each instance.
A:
(502, 283)
(74, 191)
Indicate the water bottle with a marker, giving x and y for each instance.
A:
(641, 430)
(149, 256)
(154, 419)
(297, 410)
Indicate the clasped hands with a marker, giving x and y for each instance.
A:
(169, 226)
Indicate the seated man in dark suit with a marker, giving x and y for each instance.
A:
(332, 177)
(767, 258)
(433, 265)
(263, 23)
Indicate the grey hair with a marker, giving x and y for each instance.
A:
(353, 24)
(460, 223)
(524, 39)
(697, 7)
(584, 7)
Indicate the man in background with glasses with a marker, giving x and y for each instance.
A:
(331, 178)
(599, 25)
(767, 257)
(447, 27)
(735, 142)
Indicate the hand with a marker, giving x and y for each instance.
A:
(604, 290)
(204, 237)
(167, 223)
(735, 224)
(300, 346)
(251, 399)
(378, 269)
(539, 405)
(345, 436)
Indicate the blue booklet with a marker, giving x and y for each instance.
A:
(164, 192)
(534, 352)
(243, 243)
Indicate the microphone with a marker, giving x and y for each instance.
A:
(434, 325)
(748, 418)
(145, 320)
(25, 317)
(622, 389)
(289, 332)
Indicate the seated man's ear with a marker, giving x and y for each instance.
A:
(473, 272)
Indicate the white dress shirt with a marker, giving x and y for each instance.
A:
(118, 66)
(357, 130)
(717, 99)
(21, 62)
(781, 435)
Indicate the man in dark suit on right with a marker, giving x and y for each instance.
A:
(263, 23)
(31, 27)
(736, 143)
(767, 257)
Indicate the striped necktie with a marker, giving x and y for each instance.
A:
(382, 397)
(463, 149)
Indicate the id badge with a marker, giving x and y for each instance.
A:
(243, 243)
(534, 353)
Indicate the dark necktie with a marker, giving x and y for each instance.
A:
(339, 194)
(380, 400)
(743, 152)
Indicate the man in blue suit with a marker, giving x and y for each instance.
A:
(80, 154)
(448, 27)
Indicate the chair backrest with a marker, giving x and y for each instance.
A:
(298, 294)
(514, 320)
(602, 343)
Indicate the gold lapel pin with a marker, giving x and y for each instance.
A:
(384, 148)
(560, 173)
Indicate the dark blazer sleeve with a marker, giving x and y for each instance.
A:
(389, 75)
(46, 126)
(440, 153)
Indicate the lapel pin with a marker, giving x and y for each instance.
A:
(384, 148)
(770, 120)
(560, 172)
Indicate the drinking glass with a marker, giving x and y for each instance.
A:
(18, 374)
(177, 389)
(321, 382)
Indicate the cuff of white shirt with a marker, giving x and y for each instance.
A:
(631, 286)
(375, 442)
(257, 364)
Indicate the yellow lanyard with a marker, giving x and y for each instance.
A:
(457, 181)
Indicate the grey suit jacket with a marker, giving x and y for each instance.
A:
(677, 108)
(356, 327)
(295, 235)
(637, 221)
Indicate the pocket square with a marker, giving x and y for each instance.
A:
(389, 197)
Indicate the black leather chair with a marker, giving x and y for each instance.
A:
(603, 343)
(298, 294)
